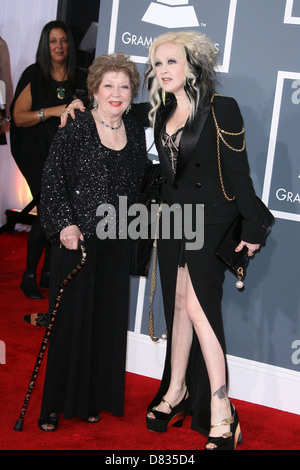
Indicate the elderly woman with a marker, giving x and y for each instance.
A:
(94, 160)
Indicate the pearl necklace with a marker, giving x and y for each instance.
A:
(107, 125)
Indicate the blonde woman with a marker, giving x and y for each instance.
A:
(184, 111)
(182, 81)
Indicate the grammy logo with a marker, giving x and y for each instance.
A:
(171, 14)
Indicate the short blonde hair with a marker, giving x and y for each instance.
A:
(112, 63)
(201, 65)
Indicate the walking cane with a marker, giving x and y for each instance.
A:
(19, 424)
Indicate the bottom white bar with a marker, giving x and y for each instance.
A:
(250, 381)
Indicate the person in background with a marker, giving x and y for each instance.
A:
(42, 93)
(5, 100)
(96, 158)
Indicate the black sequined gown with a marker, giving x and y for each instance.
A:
(87, 348)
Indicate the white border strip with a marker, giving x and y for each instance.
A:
(113, 26)
(228, 38)
(250, 381)
(288, 14)
(264, 384)
(140, 305)
(281, 76)
(144, 357)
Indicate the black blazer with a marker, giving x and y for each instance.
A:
(197, 179)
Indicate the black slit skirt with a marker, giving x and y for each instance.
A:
(85, 369)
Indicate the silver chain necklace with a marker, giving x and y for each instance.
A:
(107, 125)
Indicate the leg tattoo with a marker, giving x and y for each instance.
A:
(221, 393)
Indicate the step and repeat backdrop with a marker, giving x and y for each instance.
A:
(259, 65)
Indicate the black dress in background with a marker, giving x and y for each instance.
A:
(30, 145)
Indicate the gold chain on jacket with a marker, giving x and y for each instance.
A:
(220, 135)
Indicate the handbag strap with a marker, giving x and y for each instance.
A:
(220, 135)
(153, 282)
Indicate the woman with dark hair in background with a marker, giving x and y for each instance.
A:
(42, 93)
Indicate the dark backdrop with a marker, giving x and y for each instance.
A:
(79, 15)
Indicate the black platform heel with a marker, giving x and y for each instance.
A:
(162, 421)
(229, 440)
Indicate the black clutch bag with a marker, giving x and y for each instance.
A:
(238, 262)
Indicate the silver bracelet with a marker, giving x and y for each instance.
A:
(41, 115)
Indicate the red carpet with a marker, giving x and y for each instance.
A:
(263, 428)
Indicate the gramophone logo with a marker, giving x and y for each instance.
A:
(134, 24)
(171, 14)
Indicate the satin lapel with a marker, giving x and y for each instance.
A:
(190, 137)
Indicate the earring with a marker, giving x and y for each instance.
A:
(128, 109)
(163, 96)
(95, 103)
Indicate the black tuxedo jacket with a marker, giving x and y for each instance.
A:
(197, 179)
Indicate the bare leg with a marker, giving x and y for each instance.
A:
(188, 313)
(214, 360)
(182, 335)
